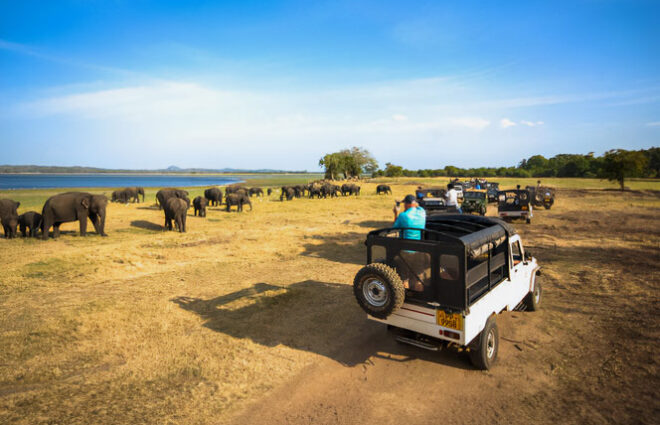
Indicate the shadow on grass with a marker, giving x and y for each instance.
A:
(318, 317)
(343, 248)
(147, 225)
(375, 224)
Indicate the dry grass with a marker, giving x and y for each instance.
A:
(147, 326)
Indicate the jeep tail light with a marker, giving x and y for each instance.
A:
(452, 335)
(440, 332)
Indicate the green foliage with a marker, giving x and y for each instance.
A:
(643, 163)
(618, 164)
(348, 163)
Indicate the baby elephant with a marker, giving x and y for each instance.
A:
(176, 209)
(200, 203)
(30, 221)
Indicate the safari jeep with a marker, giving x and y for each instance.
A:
(515, 203)
(432, 199)
(448, 287)
(475, 201)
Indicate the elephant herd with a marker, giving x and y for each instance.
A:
(78, 206)
(318, 189)
(175, 202)
(58, 209)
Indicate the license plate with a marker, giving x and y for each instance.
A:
(449, 320)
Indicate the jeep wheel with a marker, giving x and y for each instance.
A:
(533, 299)
(529, 221)
(547, 206)
(379, 290)
(483, 350)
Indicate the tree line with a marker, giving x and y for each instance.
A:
(615, 165)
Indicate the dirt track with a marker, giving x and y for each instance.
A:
(250, 318)
(587, 357)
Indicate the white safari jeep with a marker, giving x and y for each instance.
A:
(450, 285)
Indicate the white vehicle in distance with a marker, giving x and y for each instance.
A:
(448, 287)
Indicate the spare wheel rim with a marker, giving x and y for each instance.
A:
(375, 292)
(490, 344)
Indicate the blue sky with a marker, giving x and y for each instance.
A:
(147, 84)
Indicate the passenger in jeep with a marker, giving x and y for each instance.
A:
(413, 216)
(410, 264)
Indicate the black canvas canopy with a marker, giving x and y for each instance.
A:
(479, 234)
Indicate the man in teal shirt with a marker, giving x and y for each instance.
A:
(413, 216)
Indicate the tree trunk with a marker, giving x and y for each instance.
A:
(621, 183)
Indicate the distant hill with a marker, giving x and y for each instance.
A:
(173, 169)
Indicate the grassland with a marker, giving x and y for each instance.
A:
(250, 318)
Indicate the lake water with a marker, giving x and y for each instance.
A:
(52, 181)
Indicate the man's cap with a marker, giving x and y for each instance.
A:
(409, 199)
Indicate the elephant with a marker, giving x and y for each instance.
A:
(128, 194)
(269, 191)
(239, 200)
(288, 193)
(200, 203)
(300, 190)
(176, 209)
(234, 188)
(383, 188)
(256, 191)
(119, 196)
(74, 206)
(164, 194)
(350, 189)
(9, 217)
(214, 196)
(30, 221)
(315, 191)
(330, 189)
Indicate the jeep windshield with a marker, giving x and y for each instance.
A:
(476, 196)
(431, 193)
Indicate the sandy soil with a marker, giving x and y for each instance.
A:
(250, 318)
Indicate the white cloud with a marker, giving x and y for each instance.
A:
(653, 124)
(531, 123)
(399, 117)
(506, 123)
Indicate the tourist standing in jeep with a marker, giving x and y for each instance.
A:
(452, 198)
(413, 216)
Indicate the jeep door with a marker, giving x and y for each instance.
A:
(520, 274)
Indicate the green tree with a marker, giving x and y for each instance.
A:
(349, 163)
(619, 164)
(392, 170)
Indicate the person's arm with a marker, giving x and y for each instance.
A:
(397, 211)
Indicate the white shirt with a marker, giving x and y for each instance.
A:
(452, 198)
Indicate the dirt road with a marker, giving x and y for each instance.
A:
(587, 357)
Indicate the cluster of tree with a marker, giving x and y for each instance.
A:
(616, 165)
(348, 163)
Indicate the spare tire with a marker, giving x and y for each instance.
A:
(379, 290)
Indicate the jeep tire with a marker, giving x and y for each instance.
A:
(379, 290)
(484, 348)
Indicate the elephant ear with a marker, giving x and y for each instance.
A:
(85, 203)
(18, 204)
